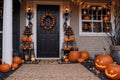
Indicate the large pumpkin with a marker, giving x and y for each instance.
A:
(14, 66)
(24, 38)
(113, 72)
(102, 61)
(73, 56)
(17, 60)
(5, 67)
(84, 54)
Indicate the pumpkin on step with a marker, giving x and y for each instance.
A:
(14, 66)
(84, 54)
(17, 60)
(113, 72)
(5, 67)
(66, 60)
(73, 56)
(80, 60)
(102, 61)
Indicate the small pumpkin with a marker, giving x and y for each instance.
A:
(24, 38)
(113, 72)
(66, 39)
(22, 61)
(5, 67)
(80, 60)
(14, 66)
(85, 27)
(17, 60)
(73, 56)
(66, 60)
(29, 39)
(106, 18)
(102, 61)
(84, 54)
(86, 17)
(72, 38)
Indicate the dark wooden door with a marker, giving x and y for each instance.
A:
(47, 40)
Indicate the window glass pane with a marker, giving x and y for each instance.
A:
(86, 27)
(97, 27)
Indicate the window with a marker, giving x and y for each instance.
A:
(95, 19)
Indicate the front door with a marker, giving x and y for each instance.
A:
(47, 37)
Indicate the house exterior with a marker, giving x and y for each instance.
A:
(14, 24)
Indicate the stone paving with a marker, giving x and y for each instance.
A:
(52, 72)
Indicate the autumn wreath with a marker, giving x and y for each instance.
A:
(50, 24)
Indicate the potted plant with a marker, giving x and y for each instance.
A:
(114, 36)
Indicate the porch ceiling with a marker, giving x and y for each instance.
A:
(97, 1)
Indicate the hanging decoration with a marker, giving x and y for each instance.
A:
(47, 21)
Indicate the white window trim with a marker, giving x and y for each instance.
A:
(93, 33)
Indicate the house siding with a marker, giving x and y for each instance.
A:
(93, 44)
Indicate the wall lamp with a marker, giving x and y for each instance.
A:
(66, 14)
(29, 13)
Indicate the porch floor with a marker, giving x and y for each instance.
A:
(52, 72)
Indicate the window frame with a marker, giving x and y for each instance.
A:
(94, 33)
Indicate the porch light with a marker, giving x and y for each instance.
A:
(66, 14)
(29, 13)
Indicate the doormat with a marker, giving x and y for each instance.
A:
(48, 62)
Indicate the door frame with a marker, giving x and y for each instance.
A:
(34, 20)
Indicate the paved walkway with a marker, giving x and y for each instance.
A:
(52, 72)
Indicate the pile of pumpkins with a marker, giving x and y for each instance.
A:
(26, 39)
(16, 62)
(76, 56)
(105, 63)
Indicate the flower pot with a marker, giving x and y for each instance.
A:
(115, 53)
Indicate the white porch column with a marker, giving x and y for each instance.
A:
(7, 32)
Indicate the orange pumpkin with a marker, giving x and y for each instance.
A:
(17, 60)
(73, 56)
(29, 39)
(24, 38)
(5, 67)
(66, 60)
(22, 61)
(86, 18)
(106, 18)
(113, 72)
(66, 39)
(14, 66)
(102, 61)
(80, 60)
(72, 38)
(84, 54)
